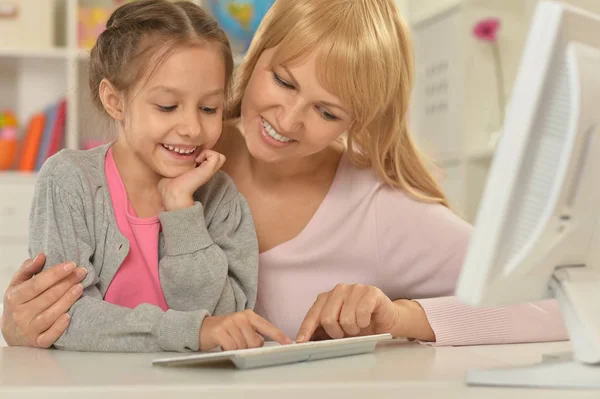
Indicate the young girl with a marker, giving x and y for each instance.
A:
(165, 237)
(353, 239)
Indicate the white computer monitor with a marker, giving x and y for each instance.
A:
(537, 232)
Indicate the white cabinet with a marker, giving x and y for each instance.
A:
(454, 112)
(455, 106)
(16, 193)
(34, 76)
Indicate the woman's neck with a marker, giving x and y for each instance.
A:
(274, 173)
(296, 169)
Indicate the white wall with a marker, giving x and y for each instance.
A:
(590, 5)
(404, 7)
(459, 138)
(421, 9)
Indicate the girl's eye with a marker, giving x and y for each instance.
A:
(282, 82)
(167, 108)
(208, 110)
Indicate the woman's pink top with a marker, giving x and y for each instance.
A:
(365, 232)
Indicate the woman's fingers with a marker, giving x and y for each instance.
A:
(66, 291)
(366, 306)
(27, 270)
(49, 337)
(48, 315)
(320, 335)
(35, 310)
(348, 316)
(345, 310)
(312, 319)
(33, 287)
(330, 314)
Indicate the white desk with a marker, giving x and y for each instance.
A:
(396, 369)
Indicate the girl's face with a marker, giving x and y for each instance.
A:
(175, 114)
(286, 113)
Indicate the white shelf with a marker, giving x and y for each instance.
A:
(237, 59)
(83, 54)
(421, 11)
(454, 97)
(484, 153)
(454, 101)
(13, 176)
(32, 79)
(55, 53)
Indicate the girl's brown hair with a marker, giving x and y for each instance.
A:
(366, 60)
(142, 34)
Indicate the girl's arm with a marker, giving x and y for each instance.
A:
(211, 251)
(62, 226)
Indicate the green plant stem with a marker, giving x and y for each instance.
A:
(499, 80)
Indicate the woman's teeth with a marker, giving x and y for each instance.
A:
(273, 133)
(180, 150)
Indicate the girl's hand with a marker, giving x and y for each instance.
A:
(352, 310)
(239, 330)
(177, 193)
(35, 308)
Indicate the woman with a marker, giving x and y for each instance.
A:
(345, 208)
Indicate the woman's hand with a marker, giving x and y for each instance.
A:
(352, 310)
(178, 192)
(35, 308)
(239, 330)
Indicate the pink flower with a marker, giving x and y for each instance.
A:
(487, 29)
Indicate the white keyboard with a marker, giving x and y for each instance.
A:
(273, 354)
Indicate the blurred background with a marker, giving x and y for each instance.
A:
(467, 55)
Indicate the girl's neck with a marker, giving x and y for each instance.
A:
(137, 177)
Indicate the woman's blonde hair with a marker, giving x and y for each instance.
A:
(365, 60)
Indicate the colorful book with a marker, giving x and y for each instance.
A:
(31, 145)
(58, 129)
(51, 115)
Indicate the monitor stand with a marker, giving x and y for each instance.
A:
(577, 290)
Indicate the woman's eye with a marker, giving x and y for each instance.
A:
(328, 115)
(167, 108)
(282, 82)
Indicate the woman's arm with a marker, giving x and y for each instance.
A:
(421, 248)
(35, 309)
(440, 241)
(456, 324)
